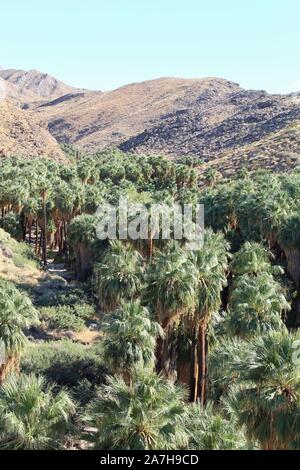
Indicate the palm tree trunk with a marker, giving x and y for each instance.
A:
(25, 229)
(83, 262)
(185, 376)
(186, 367)
(29, 230)
(200, 365)
(61, 238)
(293, 263)
(203, 364)
(45, 230)
(36, 236)
(40, 242)
(196, 371)
(160, 346)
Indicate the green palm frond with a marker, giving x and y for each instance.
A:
(32, 417)
(130, 338)
(266, 397)
(148, 414)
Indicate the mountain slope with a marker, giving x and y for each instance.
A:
(34, 84)
(95, 120)
(22, 135)
(279, 151)
(19, 98)
(212, 118)
(203, 117)
(236, 120)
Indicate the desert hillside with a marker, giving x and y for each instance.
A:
(23, 135)
(211, 118)
(95, 120)
(278, 151)
(216, 123)
(202, 117)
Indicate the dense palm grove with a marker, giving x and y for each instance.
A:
(197, 348)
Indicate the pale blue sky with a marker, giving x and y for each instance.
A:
(103, 44)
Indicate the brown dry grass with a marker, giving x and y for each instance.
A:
(87, 337)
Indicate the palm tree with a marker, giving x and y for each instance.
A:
(209, 430)
(256, 305)
(185, 176)
(212, 176)
(82, 234)
(253, 258)
(171, 283)
(267, 398)
(16, 314)
(273, 208)
(44, 186)
(32, 416)
(130, 339)
(85, 170)
(44, 196)
(31, 208)
(147, 414)
(119, 276)
(225, 351)
(63, 210)
(211, 263)
(220, 206)
(93, 197)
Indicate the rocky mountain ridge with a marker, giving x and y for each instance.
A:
(208, 117)
(35, 86)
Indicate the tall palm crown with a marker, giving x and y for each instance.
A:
(211, 281)
(256, 305)
(289, 234)
(267, 400)
(82, 230)
(253, 258)
(211, 263)
(148, 414)
(171, 284)
(32, 417)
(130, 339)
(119, 276)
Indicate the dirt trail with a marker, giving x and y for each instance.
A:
(59, 269)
